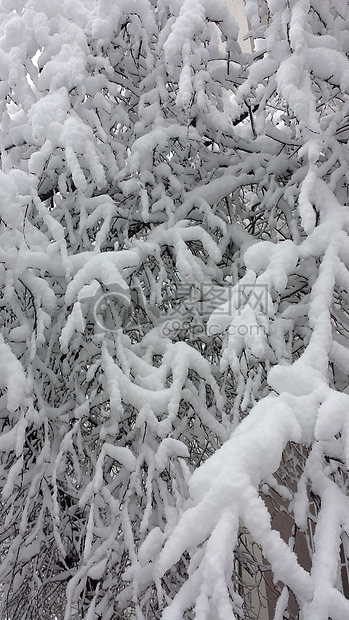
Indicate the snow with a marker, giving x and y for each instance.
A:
(185, 86)
(340, 355)
(298, 379)
(69, 66)
(329, 65)
(104, 269)
(131, 166)
(75, 323)
(298, 26)
(151, 546)
(123, 455)
(14, 438)
(306, 209)
(294, 83)
(97, 570)
(228, 478)
(11, 478)
(190, 22)
(276, 261)
(48, 115)
(169, 447)
(12, 377)
(331, 416)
